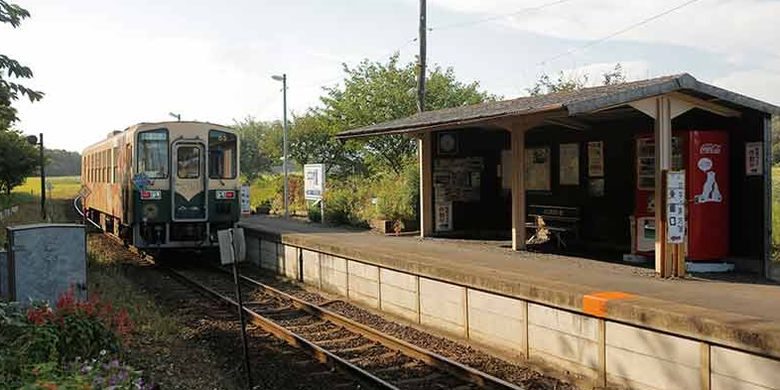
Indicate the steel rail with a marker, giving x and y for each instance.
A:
(430, 358)
(320, 354)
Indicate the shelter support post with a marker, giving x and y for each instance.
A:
(767, 135)
(424, 150)
(668, 259)
(518, 187)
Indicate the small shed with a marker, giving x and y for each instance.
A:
(594, 162)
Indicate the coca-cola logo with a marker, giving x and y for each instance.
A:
(709, 149)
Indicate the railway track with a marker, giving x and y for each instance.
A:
(375, 359)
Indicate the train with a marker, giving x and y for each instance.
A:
(164, 185)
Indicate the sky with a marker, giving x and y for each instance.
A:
(107, 64)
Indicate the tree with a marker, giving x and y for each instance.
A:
(573, 82)
(17, 156)
(614, 76)
(18, 159)
(12, 69)
(261, 146)
(375, 92)
(564, 83)
(62, 162)
(312, 140)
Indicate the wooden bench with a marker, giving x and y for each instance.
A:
(558, 221)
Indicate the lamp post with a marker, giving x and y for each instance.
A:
(283, 79)
(177, 116)
(39, 141)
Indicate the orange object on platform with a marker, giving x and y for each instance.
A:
(595, 304)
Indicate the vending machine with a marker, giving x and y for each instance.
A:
(704, 155)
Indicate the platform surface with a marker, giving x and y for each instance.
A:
(740, 315)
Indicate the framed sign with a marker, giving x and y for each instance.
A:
(443, 216)
(313, 181)
(537, 169)
(569, 164)
(754, 158)
(595, 159)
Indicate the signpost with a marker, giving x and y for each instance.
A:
(675, 219)
(245, 196)
(314, 185)
(232, 249)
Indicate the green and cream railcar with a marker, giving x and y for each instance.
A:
(164, 185)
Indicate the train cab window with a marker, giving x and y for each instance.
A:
(153, 153)
(188, 162)
(223, 150)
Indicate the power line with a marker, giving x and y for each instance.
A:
(618, 32)
(496, 17)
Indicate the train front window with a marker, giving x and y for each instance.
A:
(153, 153)
(222, 155)
(188, 162)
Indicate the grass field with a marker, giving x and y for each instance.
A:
(63, 187)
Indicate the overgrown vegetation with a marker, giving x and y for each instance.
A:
(75, 344)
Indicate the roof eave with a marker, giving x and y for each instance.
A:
(369, 131)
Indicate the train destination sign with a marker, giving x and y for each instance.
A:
(313, 181)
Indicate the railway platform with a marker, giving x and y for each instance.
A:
(597, 324)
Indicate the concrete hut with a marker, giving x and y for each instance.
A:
(587, 164)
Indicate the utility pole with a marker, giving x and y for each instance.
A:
(43, 178)
(423, 43)
(283, 79)
(284, 147)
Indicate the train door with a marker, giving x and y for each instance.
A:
(189, 181)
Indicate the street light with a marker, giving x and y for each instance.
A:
(33, 140)
(283, 79)
(177, 116)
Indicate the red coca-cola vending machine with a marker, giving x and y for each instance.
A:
(704, 155)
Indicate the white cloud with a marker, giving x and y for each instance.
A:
(758, 83)
(720, 26)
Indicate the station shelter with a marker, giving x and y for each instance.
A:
(590, 169)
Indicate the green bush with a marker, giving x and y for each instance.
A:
(397, 196)
(315, 213)
(346, 202)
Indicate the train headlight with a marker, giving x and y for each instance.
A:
(224, 194)
(151, 195)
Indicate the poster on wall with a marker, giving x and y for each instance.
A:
(595, 159)
(754, 157)
(537, 169)
(569, 164)
(443, 216)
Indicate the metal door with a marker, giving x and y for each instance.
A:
(189, 182)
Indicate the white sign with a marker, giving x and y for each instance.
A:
(675, 207)
(232, 247)
(245, 206)
(754, 157)
(313, 181)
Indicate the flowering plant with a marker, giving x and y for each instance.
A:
(102, 372)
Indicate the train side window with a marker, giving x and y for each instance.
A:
(115, 164)
(223, 150)
(153, 153)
